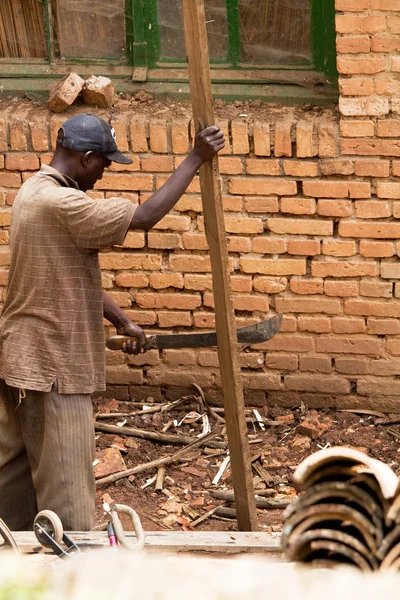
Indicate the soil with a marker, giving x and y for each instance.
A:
(278, 449)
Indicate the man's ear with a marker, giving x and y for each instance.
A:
(86, 158)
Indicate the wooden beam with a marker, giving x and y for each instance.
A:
(203, 113)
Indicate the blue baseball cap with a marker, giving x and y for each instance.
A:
(88, 132)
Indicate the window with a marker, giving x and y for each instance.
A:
(264, 42)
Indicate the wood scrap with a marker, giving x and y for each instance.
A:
(160, 478)
(265, 476)
(165, 460)
(228, 496)
(204, 517)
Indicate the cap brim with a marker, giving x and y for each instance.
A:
(118, 157)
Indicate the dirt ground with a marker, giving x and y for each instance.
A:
(275, 451)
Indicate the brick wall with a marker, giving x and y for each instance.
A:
(312, 201)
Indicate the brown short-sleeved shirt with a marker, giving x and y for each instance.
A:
(51, 327)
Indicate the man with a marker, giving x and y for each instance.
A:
(51, 328)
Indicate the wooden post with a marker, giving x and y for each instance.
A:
(200, 86)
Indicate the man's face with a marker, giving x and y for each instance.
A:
(92, 169)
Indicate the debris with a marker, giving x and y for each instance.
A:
(314, 425)
(285, 419)
(65, 92)
(121, 423)
(229, 496)
(221, 470)
(99, 91)
(204, 517)
(259, 419)
(111, 461)
(160, 478)
(131, 443)
(194, 471)
(148, 482)
(363, 411)
(302, 442)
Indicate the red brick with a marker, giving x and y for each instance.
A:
(315, 383)
(138, 134)
(353, 44)
(151, 357)
(240, 137)
(189, 263)
(198, 282)
(289, 343)
(396, 168)
(180, 136)
(204, 320)
(372, 308)
(262, 139)
(375, 209)
(10, 180)
(360, 23)
(309, 305)
(387, 86)
(354, 345)
(180, 357)
(388, 189)
(393, 24)
(298, 168)
(348, 325)
(128, 182)
(241, 283)
(260, 204)
(306, 286)
(178, 378)
(369, 230)
(338, 248)
(230, 165)
(158, 136)
(351, 366)
(366, 65)
(305, 139)
(142, 317)
(343, 269)
(357, 128)
(393, 347)
(375, 147)
(38, 130)
(189, 202)
(174, 222)
(239, 244)
(259, 166)
(4, 238)
(250, 303)
(316, 364)
(314, 324)
(157, 164)
(337, 166)
(298, 206)
(223, 124)
(390, 270)
(396, 210)
(376, 249)
(120, 261)
(175, 300)
(337, 189)
(134, 239)
(327, 139)
(304, 247)
(174, 319)
(193, 187)
(239, 224)
(283, 138)
(378, 387)
(262, 187)
(194, 241)
(165, 280)
(262, 381)
(208, 358)
(300, 226)
(372, 168)
(281, 362)
(124, 375)
(384, 367)
(351, 5)
(135, 280)
(388, 128)
(5, 217)
(341, 288)
(383, 326)
(376, 289)
(385, 43)
(373, 106)
(22, 162)
(269, 245)
(163, 240)
(356, 86)
(268, 285)
(268, 266)
(232, 203)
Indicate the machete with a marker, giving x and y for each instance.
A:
(253, 334)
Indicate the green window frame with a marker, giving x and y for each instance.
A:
(314, 81)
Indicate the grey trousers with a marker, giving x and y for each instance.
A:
(47, 450)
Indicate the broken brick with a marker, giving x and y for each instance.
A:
(65, 92)
(99, 91)
(111, 461)
(314, 425)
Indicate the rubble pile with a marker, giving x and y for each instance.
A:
(349, 512)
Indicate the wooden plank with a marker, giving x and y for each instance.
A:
(171, 541)
(203, 113)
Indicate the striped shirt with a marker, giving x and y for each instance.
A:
(51, 326)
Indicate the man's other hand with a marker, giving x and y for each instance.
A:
(208, 142)
(138, 336)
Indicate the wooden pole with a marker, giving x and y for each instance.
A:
(203, 112)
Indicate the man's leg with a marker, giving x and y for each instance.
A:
(17, 495)
(58, 433)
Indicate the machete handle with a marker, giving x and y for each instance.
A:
(116, 342)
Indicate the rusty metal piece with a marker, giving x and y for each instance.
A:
(321, 514)
(390, 540)
(386, 478)
(300, 545)
(336, 548)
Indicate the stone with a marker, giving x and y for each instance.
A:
(99, 91)
(301, 442)
(65, 92)
(111, 461)
(314, 425)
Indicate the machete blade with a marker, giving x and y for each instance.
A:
(250, 335)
